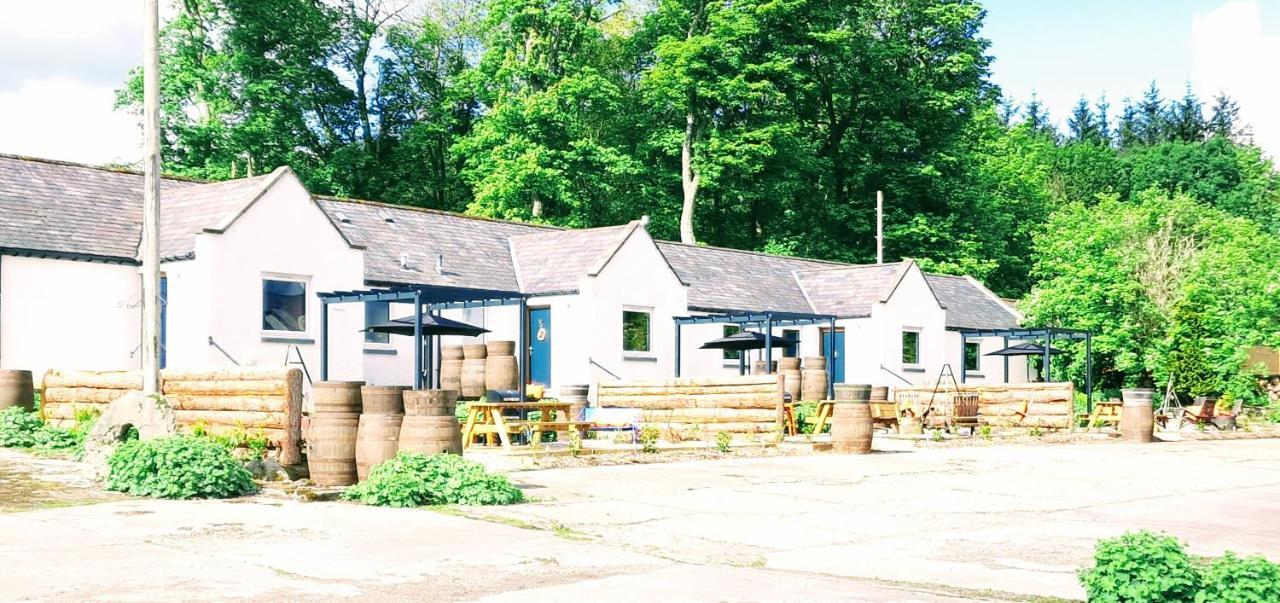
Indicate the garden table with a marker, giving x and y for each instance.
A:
(488, 419)
(1104, 412)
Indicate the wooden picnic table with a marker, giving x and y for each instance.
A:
(488, 419)
(1104, 412)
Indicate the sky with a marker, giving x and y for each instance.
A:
(62, 60)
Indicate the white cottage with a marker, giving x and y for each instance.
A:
(244, 261)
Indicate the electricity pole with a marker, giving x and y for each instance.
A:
(879, 227)
(150, 249)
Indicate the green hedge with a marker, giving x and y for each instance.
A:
(178, 467)
(1143, 567)
(415, 480)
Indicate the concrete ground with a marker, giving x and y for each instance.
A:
(992, 523)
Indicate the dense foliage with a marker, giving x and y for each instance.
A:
(177, 467)
(22, 429)
(1143, 567)
(415, 480)
(753, 124)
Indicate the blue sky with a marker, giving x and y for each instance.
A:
(57, 80)
(1062, 49)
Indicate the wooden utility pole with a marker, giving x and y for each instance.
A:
(879, 227)
(150, 249)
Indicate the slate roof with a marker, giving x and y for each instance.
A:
(67, 208)
(969, 305)
(722, 279)
(553, 262)
(189, 210)
(476, 251)
(850, 291)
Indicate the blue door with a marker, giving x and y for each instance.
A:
(540, 346)
(837, 361)
(164, 321)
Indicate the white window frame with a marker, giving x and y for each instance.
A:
(378, 346)
(972, 372)
(918, 365)
(636, 354)
(303, 336)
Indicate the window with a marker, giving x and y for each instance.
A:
(635, 331)
(374, 313)
(284, 305)
(972, 351)
(910, 347)
(731, 354)
(791, 350)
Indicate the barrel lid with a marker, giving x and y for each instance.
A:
(336, 383)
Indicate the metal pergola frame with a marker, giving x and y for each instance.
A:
(767, 321)
(429, 298)
(1046, 333)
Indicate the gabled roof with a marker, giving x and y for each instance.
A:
(553, 262)
(850, 291)
(969, 304)
(190, 210)
(722, 279)
(475, 251)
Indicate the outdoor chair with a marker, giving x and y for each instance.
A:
(964, 411)
(1201, 413)
(614, 419)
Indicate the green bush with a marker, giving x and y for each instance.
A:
(415, 480)
(806, 414)
(1141, 568)
(177, 467)
(1232, 579)
(22, 429)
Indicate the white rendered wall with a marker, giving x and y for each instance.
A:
(911, 305)
(991, 369)
(187, 314)
(283, 234)
(65, 314)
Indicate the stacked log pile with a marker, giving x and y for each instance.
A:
(682, 408)
(1046, 405)
(266, 401)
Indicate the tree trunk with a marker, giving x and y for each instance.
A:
(689, 180)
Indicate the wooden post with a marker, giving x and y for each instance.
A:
(879, 228)
(150, 248)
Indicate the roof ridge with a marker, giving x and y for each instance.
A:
(849, 266)
(756, 253)
(107, 168)
(440, 212)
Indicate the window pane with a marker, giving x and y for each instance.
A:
(791, 350)
(910, 347)
(374, 313)
(284, 306)
(971, 352)
(635, 331)
(731, 354)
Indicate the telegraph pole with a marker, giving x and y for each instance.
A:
(879, 227)
(150, 249)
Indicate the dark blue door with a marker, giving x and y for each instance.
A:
(837, 361)
(164, 320)
(540, 346)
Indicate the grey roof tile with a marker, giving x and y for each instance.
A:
(553, 262)
(730, 279)
(189, 210)
(969, 305)
(849, 291)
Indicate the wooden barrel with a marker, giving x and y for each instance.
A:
(16, 389)
(576, 397)
(382, 399)
(815, 362)
(430, 402)
(813, 384)
(451, 352)
(377, 439)
(857, 392)
(430, 434)
(451, 373)
(341, 397)
(851, 427)
(472, 378)
(791, 383)
(500, 348)
(474, 351)
(880, 393)
(331, 449)
(1136, 415)
(789, 363)
(501, 373)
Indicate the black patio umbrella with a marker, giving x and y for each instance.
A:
(1024, 349)
(431, 325)
(747, 340)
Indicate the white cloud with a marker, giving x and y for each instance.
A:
(60, 118)
(1232, 53)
